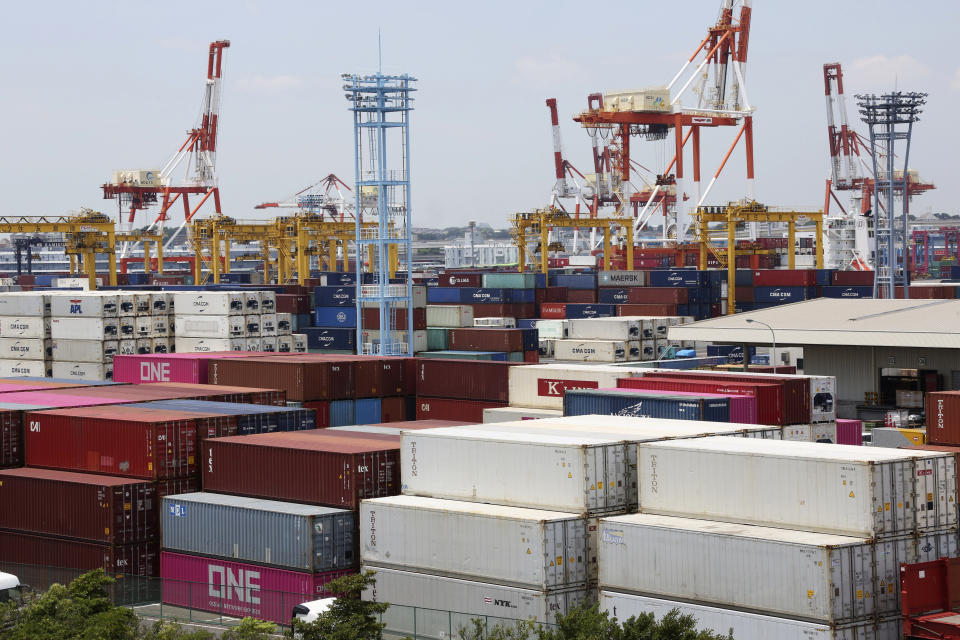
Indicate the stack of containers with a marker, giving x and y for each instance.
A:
(490, 343)
(25, 347)
(460, 389)
(828, 524)
(371, 320)
(334, 327)
(214, 321)
(88, 330)
(542, 386)
(510, 531)
(281, 553)
(441, 318)
(507, 300)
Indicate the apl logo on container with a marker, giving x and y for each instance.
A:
(76, 306)
(556, 388)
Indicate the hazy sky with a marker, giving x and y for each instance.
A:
(89, 87)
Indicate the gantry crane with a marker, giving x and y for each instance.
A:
(735, 213)
(720, 101)
(542, 221)
(323, 198)
(139, 189)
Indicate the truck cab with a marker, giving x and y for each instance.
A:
(10, 590)
(309, 611)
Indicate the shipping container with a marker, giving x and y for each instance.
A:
(238, 589)
(301, 378)
(743, 625)
(743, 409)
(486, 339)
(648, 309)
(82, 370)
(570, 472)
(542, 386)
(215, 327)
(893, 438)
(138, 559)
(26, 348)
(208, 303)
(280, 534)
(464, 379)
(446, 605)
(240, 418)
(858, 491)
(769, 397)
(849, 432)
(943, 417)
(604, 329)
(622, 279)
(111, 440)
(832, 571)
(450, 316)
(89, 328)
(634, 403)
(311, 467)
(590, 310)
(25, 305)
(100, 351)
(78, 505)
(456, 279)
(510, 414)
(482, 542)
(33, 368)
(430, 408)
(591, 350)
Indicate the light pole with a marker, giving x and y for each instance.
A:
(773, 358)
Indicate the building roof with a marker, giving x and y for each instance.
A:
(831, 321)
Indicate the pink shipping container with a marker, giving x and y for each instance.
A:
(743, 409)
(238, 589)
(769, 396)
(167, 367)
(850, 432)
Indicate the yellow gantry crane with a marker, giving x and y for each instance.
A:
(542, 221)
(730, 216)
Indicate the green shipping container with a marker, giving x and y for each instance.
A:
(463, 355)
(438, 339)
(509, 280)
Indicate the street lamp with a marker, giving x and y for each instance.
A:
(773, 358)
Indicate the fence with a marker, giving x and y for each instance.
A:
(226, 604)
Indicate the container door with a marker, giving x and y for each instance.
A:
(554, 553)
(578, 557)
(892, 499)
(845, 591)
(935, 485)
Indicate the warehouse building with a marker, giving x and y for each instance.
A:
(865, 343)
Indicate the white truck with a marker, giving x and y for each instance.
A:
(10, 590)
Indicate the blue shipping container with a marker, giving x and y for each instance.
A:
(527, 323)
(677, 278)
(330, 338)
(368, 411)
(846, 292)
(303, 320)
(531, 339)
(335, 317)
(780, 294)
(540, 280)
(443, 295)
(616, 402)
(472, 295)
(521, 296)
(334, 296)
(343, 413)
(336, 278)
(576, 311)
(744, 277)
(574, 280)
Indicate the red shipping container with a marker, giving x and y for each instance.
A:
(503, 310)
(79, 505)
(744, 294)
(371, 318)
(486, 339)
(784, 278)
(531, 357)
(190, 368)
(655, 310)
(209, 424)
(99, 440)
(464, 379)
(213, 393)
(290, 303)
(299, 376)
(657, 295)
(174, 486)
(582, 296)
(553, 311)
(853, 278)
(455, 279)
(393, 409)
(769, 396)
(11, 438)
(550, 294)
(943, 417)
(315, 467)
(449, 409)
(139, 559)
(231, 588)
(26, 278)
(322, 409)
(374, 376)
(851, 432)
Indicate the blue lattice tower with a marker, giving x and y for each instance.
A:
(381, 106)
(890, 117)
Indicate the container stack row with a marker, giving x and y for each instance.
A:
(212, 321)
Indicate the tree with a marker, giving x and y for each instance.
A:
(588, 622)
(249, 629)
(349, 617)
(166, 630)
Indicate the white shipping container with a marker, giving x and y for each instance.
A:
(445, 605)
(268, 324)
(285, 344)
(449, 315)
(161, 326)
(144, 345)
(143, 327)
(26, 348)
(85, 304)
(162, 345)
(284, 324)
(85, 350)
(510, 414)
(634, 351)
(652, 327)
(128, 347)
(32, 368)
(648, 350)
(75, 283)
(209, 303)
(546, 347)
(371, 336)
(823, 399)
(126, 304)
(268, 302)
(160, 303)
(526, 548)
(591, 350)
(556, 329)
(299, 342)
(206, 345)
(209, 326)
(503, 323)
(825, 432)
(84, 328)
(797, 574)
(743, 625)
(82, 370)
(858, 491)
(622, 279)
(127, 327)
(251, 302)
(541, 386)
(252, 344)
(268, 344)
(143, 304)
(603, 329)
(24, 326)
(252, 325)
(570, 472)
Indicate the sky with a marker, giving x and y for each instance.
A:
(91, 87)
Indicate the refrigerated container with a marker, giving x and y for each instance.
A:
(24, 326)
(77, 304)
(591, 350)
(25, 305)
(209, 303)
(220, 327)
(84, 328)
(84, 350)
(604, 329)
(280, 534)
(32, 368)
(542, 386)
(769, 397)
(186, 344)
(509, 414)
(858, 491)
(451, 315)
(26, 348)
(82, 370)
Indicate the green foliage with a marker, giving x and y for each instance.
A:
(587, 622)
(166, 630)
(349, 617)
(249, 629)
